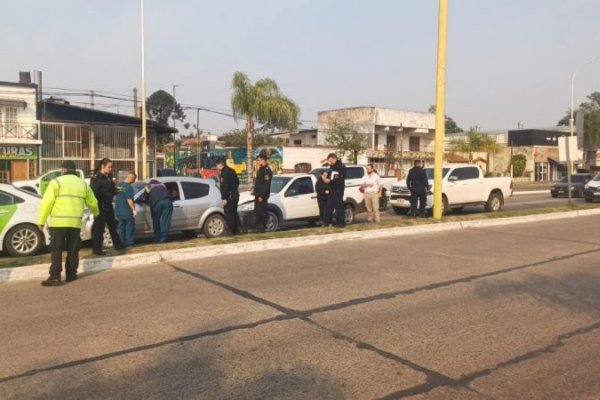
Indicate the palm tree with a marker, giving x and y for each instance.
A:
(264, 103)
(476, 142)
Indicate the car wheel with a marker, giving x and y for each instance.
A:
(272, 222)
(349, 215)
(401, 210)
(494, 202)
(214, 226)
(23, 240)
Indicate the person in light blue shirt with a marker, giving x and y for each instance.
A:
(125, 210)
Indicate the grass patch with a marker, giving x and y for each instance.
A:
(86, 253)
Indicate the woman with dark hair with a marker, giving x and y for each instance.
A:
(104, 190)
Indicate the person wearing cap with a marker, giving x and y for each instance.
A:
(335, 201)
(161, 205)
(262, 191)
(230, 195)
(64, 202)
(125, 210)
(104, 189)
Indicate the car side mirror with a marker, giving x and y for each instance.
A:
(291, 192)
(452, 178)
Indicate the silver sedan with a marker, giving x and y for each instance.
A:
(196, 206)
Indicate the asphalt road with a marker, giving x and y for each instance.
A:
(510, 312)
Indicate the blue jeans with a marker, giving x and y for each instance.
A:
(126, 229)
(162, 212)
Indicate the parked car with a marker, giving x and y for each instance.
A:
(592, 189)
(19, 231)
(39, 184)
(578, 182)
(355, 176)
(196, 207)
(463, 185)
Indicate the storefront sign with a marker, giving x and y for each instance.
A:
(18, 152)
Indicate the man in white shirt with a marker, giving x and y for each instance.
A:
(372, 190)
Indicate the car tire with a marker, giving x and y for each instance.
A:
(494, 202)
(214, 226)
(23, 240)
(349, 214)
(272, 221)
(401, 210)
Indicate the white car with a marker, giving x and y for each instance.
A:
(39, 184)
(462, 185)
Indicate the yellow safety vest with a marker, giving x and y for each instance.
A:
(64, 201)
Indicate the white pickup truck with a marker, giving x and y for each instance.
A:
(294, 198)
(463, 185)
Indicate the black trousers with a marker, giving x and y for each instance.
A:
(231, 214)
(322, 201)
(62, 239)
(260, 214)
(418, 194)
(106, 218)
(335, 205)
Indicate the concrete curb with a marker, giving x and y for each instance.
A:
(40, 271)
(524, 192)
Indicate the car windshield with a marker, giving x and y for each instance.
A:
(596, 178)
(28, 192)
(278, 183)
(574, 179)
(429, 172)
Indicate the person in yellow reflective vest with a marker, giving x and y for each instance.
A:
(64, 201)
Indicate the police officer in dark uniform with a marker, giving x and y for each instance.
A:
(230, 195)
(418, 184)
(262, 190)
(337, 184)
(104, 190)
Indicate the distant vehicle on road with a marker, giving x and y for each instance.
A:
(39, 184)
(196, 207)
(592, 189)
(578, 182)
(463, 185)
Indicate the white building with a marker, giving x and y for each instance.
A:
(394, 138)
(19, 131)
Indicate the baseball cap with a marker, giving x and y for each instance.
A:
(68, 164)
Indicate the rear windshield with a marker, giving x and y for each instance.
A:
(575, 179)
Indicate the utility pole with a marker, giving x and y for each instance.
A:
(143, 116)
(135, 103)
(198, 149)
(440, 110)
(92, 99)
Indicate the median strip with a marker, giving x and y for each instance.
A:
(203, 248)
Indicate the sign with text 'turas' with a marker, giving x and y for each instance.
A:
(18, 152)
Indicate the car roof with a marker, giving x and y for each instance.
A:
(168, 179)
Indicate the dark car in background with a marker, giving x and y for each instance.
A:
(578, 182)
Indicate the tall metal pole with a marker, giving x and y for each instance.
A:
(198, 149)
(143, 116)
(571, 123)
(440, 110)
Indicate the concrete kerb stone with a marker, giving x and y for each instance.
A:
(136, 260)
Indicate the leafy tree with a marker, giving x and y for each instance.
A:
(519, 162)
(342, 134)
(261, 102)
(591, 127)
(476, 142)
(450, 126)
(238, 138)
(162, 107)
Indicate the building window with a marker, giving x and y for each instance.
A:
(10, 120)
(297, 141)
(72, 142)
(414, 143)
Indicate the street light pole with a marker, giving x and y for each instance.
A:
(143, 116)
(440, 110)
(571, 124)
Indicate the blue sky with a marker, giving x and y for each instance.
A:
(509, 61)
